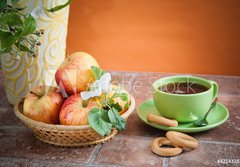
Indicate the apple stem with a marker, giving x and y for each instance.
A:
(85, 103)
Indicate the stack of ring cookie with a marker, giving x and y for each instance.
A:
(177, 140)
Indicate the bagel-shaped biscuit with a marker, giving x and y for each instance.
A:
(161, 120)
(157, 149)
(182, 140)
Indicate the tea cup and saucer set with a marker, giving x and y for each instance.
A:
(191, 101)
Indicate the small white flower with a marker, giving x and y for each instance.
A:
(98, 87)
(37, 12)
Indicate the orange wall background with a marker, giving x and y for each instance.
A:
(179, 36)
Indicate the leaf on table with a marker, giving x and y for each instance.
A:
(98, 123)
(117, 121)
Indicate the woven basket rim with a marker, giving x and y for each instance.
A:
(29, 121)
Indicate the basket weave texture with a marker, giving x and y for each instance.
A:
(67, 136)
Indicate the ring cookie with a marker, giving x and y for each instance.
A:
(182, 140)
(161, 120)
(160, 141)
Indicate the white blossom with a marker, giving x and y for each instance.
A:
(98, 87)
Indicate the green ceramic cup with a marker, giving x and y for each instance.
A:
(184, 107)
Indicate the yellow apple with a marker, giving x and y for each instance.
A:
(43, 104)
(114, 89)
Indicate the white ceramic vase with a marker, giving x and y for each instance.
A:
(20, 76)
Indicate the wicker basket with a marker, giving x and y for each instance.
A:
(67, 136)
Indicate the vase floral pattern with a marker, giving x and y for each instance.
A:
(20, 76)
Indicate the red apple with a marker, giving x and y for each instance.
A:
(43, 104)
(75, 112)
(74, 74)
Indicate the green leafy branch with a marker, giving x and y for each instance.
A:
(19, 30)
(106, 116)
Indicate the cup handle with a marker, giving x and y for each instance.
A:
(215, 89)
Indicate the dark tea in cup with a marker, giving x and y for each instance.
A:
(183, 88)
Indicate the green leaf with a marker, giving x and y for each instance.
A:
(3, 5)
(98, 123)
(117, 121)
(15, 1)
(117, 107)
(123, 96)
(97, 72)
(7, 50)
(126, 105)
(59, 7)
(29, 25)
(110, 101)
(22, 47)
(3, 26)
(7, 40)
(12, 19)
(104, 115)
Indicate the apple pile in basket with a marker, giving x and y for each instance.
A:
(84, 96)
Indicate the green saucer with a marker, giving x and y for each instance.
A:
(217, 116)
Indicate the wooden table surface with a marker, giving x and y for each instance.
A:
(18, 146)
